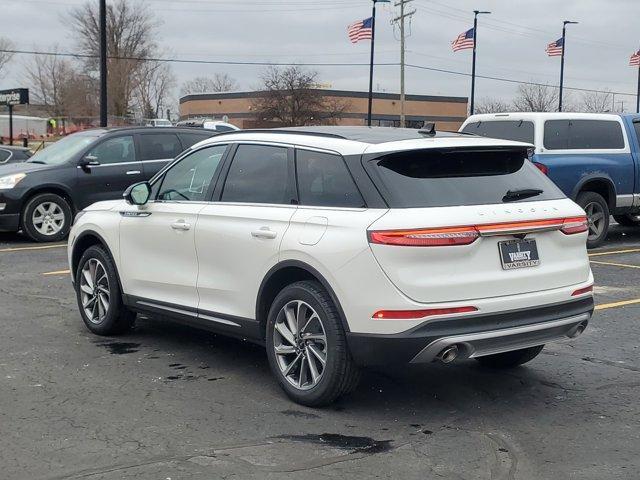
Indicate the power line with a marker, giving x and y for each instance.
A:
(305, 64)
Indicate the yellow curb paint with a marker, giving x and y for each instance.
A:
(623, 303)
(58, 272)
(20, 249)
(613, 252)
(615, 264)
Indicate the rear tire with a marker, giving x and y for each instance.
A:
(598, 216)
(510, 359)
(47, 217)
(98, 294)
(628, 220)
(307, 308)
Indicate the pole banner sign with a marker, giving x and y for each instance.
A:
(15, 96)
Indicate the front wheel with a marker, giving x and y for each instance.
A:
(510, 359)
(47, 217)
(597, 215)
(307, 347)
(98, 294)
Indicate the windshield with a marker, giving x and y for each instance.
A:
(62, 150)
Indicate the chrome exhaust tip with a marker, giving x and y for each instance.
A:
(448, 354)
(581, 327)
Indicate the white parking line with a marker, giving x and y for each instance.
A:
(40, 247)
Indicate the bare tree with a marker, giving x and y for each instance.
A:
(290, 97)
(5, 57)
(58, 85)
(536, 98)
(154, 83)
(130, 38)
(491, 105)
(596, 102)
(220, 82)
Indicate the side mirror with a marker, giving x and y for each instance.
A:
(88, 161)
(138, 193)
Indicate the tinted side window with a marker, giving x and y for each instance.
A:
(4, 155)
(115, 150)
(223, 128)
(582, 134)
(189, 139)
(158, 146)
(517, 130)
(189, 179)
(323, 180)
(258, 174)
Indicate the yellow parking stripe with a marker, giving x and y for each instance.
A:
(40, 247)
(613, 252)
(615, 264)
(623, 303)
(58, 272)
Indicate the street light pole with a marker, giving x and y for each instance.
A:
(103, 63)
(473, 64)
(564, 48)
(373, 41)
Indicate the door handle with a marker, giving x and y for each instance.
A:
(133, 172)
(264, 232)
(183, 226)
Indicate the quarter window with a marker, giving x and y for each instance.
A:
(323, 180)
(258, 174)
(115, 150)
(582, 134)
(189, 139)
(159, 146)
(4, 155)
(190, 178)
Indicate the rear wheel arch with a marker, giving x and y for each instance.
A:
(283, 274)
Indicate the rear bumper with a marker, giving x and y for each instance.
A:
(475, 335)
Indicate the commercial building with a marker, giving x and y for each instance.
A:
(239, 108)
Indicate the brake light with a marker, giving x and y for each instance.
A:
(415, 314)
(431, 237)
(574, 225)
(582, 291)
(542, 167)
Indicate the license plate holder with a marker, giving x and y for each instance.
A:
(518, 254)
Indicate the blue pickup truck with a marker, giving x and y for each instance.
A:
(593, 157)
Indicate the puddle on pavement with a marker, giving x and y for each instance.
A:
(343, 442)
(120, 348)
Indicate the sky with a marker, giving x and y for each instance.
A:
(511, 41)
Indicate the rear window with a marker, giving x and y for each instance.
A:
(516, 130)
(582, 134)
(452, 177)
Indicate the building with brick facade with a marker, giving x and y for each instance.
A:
(447, 112)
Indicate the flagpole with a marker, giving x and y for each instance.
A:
(473, 62)
(638, 93)
(373, 38)
(564, 47)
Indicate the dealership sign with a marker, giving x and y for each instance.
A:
(15, 96)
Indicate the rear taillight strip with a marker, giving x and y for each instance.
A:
(417, 314)
(465, 235)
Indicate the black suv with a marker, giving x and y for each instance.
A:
(40, 196)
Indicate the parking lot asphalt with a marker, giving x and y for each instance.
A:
(170, 402)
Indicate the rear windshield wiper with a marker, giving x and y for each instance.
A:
(512, 195)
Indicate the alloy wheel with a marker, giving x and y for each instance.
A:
(48, 218)
(595, 218)
(94, 290)
(300, 344)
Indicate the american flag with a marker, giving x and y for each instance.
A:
(554, 49)
(361, 30)
(464, 40)
(634, 61)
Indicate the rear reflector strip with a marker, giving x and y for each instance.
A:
(582, 291)
(465, 235)
(415, 314)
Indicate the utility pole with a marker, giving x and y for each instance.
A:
(564, 48)
(103, 63)
(473, 63)
(401, 20)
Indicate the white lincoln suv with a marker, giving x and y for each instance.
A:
(343, 247)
